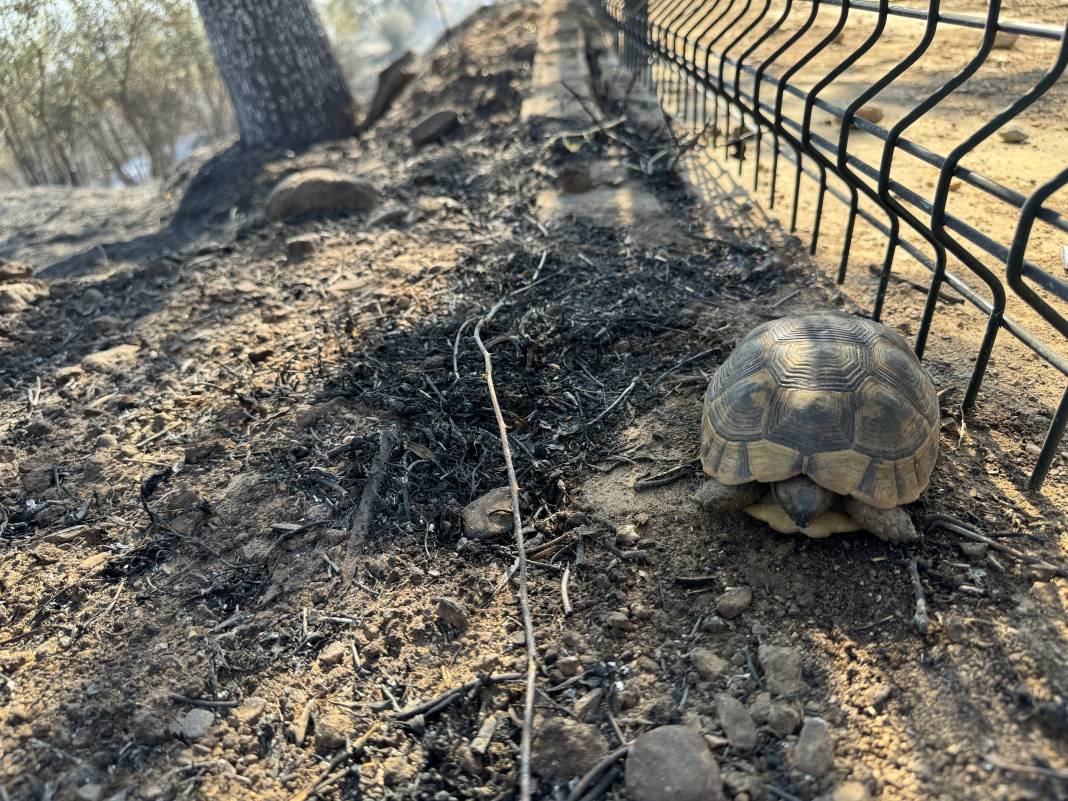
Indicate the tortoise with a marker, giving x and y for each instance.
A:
(820, 423)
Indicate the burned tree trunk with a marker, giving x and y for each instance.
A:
(285, 84)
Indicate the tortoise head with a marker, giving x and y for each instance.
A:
(802, 498)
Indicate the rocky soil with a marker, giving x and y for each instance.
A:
(256, 532)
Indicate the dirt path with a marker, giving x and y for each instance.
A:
(204, 415)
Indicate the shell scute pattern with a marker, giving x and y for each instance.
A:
(840, 399)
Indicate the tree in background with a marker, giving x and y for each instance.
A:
(286, 86)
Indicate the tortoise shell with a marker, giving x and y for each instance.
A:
(839, 399)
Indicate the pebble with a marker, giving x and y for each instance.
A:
(1014, 135)
(736, 723)
(1004, 40)
(90, 792)
(733, 602)
(672, 763)
(565, 748)
(587, 704)
(196, 724)
(391, 216)
(19, 297)
(331, 729)
(106, 441)
(489, 516)
(452, 613)
(616, 620)
(333, 654)
(783, 719)
(14, 270)
(147, 728)
(434, 127)
(575, 179)
(251, 710)
(782, 669)
(300, 247)
(973, 549)
(709, 665)
(872, 114)
(814, 752)
(851, 791)
(569, 665)
(627, 535)
(319, 190)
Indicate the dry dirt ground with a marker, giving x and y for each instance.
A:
(190, 420)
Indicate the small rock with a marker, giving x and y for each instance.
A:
(147, 728)
(872, 114)
(434, 127)
(672, 763)
(38, 427)
(1004, 40)
(851, 791)
(319, 190)
(300, 247)
(736, 723)
(19, 297)
(331, 730)
(814, 752)
(90, 792)
(112, 360)
(1014, 135)
(616, 620)
(203, 451)
(196, 724)
(708, 664)
(627, 535)
(783, 719)
(575, 179)
(586, 705)
(106, 440)
(569, 665)
(782, 669)
(452, 613)
(14, 270)
(489, 516)
(733, 602)
(333, 654)
(760, 708)
(391, 216)
(975, 550)
(565, 748)
(250, 711)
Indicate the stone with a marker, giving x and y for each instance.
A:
(628, 207)
(814, 751)
(452, 613)
(392, 216)
(1014, 135)
(709, 665)
(250, 710)
(783, 719)
(974, 550)
(736, 723)
(565, 748)
(90, 792)
(569, 665)
(112, 360)
(332, 655)
(616, 619)
(434, 127)
(14, 270)
(391, 82)
(851, 791)
(733, 602)
(588, 703)
(489, 516)
(319, 191)
(332, 727)
(672, 763)
(20, 296)
(872, 114)
(782, 669)
(106, 440)
(575, 179)
(1004, 40)
(627, 535)
(147, 728)
(196, 724)
(300, 247)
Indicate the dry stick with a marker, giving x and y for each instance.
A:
(563, 591)
(1032, 770)
(962, 528)
(665, 478)
(524, 601)
(920, 619)
(594, 773)
(361, 521)
(616, 402)
(439, 702)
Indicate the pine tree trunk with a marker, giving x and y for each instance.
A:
(285, 84)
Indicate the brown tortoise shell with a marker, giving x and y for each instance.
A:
(839, 399)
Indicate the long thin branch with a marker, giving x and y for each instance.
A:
(524, 600)
(369, 498)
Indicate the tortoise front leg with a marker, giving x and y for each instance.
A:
(892, 525)
(716, 497)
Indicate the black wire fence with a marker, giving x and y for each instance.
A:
(728, 58)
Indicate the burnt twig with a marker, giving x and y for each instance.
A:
(439, 702)
(369, 498)
(594, 773)
(919, 619)
(962, 528)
